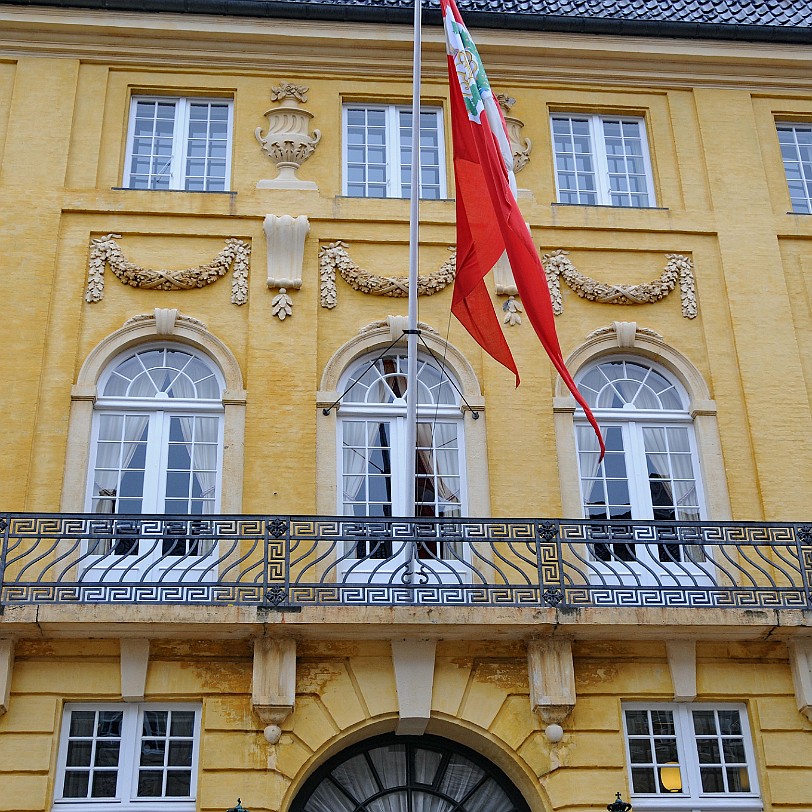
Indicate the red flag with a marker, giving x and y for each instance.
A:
(489, 221)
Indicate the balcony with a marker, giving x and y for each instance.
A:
(287, 564)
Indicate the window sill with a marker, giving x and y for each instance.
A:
(609, 206)
(402, 199)
(801, 213)
(117, 805)
(171, 191)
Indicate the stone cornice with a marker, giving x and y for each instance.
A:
(321, 48)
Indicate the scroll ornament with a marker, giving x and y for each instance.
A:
(106, 251)
(520, 147)
(678, 270)
(335, 258)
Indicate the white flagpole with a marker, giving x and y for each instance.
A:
(411, 343)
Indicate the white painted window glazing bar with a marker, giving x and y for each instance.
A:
(121, 756)
(796, 151)
(690, 757)
(601, 160)
(180, 144)
(376, 151)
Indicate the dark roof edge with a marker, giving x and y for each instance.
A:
(500, 20)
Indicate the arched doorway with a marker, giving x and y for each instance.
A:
(409, 774)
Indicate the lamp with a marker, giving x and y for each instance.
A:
(619, 805)
(670, 776)
(238, 808)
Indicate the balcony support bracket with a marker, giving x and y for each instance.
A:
(6, 667)
(800, 658)
(682, 663)
(413, 661)
(552, 680)
(273, 689)
(134, 662)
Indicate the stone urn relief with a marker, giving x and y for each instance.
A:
(288, 143)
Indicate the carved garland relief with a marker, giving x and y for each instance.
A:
(106, 251)
(335, 257)
(678, 270)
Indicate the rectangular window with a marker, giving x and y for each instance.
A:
(177, 143)
(796, 150)
(601, 160)
(691, 754)
(117, 756)
(377, 151)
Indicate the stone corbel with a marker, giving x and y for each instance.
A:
(6, 668)
(503, 276)
(682, 663)
(552, 682)
(134, 662)
(273, 689)
(285, 237)
(800, 660)
(413, 661)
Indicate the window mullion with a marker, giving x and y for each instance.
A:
(393, 149)
(155, 467)
(637, 471)
(398, 464)
(177, 178)
(601, 163)
(129, 755)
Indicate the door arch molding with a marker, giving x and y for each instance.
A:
(434, 770)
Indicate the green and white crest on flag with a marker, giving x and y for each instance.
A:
(472, 78)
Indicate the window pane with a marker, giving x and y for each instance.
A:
(107, 754)
(76, 784)
(643, 780)
(183, 723)
(150, 783)
(82, 723)
(712, 780)
(79, 753)
(104, 785)
(178, 783)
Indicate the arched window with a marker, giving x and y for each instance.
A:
(650, 470)
(409, 774)
(372, 440)
(157, 434)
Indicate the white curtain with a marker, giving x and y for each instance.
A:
(201, 435)
(202, 446)
(357, 437)
(109, 466)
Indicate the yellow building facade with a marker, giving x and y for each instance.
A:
(204, 593)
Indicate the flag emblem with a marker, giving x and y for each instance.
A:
(489, 222)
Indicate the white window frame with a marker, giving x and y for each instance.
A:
(128, 766)
(146, 556)
(393, 163)
(692, 798)
(634, 451)
(160, 411)
(395, 414)
(601, 167)
(177, 168)
(694, 565)
(800, 205)
(632, 421)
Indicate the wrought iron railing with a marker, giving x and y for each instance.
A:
(289, 562)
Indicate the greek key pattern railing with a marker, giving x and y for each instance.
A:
(285, 563)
